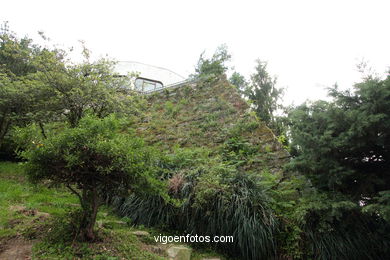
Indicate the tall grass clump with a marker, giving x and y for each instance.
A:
(349, 234)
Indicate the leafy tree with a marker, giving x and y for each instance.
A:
(238, 80)
(41, 85)
(92, 160)
(16, 55)
(263, 93)
(17, 89)
(344, 145)
(78, 89)
(216, 66)
(11, 105)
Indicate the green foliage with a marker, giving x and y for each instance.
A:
(318, 225)
(263, 93)
(237, 151)
(96, 160)
(17, 193)
(172, 109)
(342, 146)
(338, 230)
(18, 58)
(216, 200)
(215, 66)
(239, 81)
(40, 85)
(380, 204)
(333, 203)
(216, 154)
(52, 236)
(17, 55)
(88, 87)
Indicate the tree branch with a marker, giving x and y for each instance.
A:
(75, 192)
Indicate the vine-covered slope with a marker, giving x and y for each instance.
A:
(212, 115)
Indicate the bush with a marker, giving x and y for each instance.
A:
(92, 160)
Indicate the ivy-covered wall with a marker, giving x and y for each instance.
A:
(213, 115)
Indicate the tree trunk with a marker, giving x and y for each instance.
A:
(90, 204)
(4, 127)
(42, 129)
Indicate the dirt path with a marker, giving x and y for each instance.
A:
(17, 249)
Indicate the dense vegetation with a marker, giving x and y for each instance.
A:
(94, 159)
(202, 159)
(37, 222)
(342, 146)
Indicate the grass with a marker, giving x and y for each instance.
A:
(38, 214)
(16, 192)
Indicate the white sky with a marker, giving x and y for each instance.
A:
(309, 45)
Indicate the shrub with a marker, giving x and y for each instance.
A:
(92, 160)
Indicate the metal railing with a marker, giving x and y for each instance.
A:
(172, 86)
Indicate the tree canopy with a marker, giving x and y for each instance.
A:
(239, 81)
(41, 85)
(263, 93)
(214, 66)
(18, 89)
(344, 144)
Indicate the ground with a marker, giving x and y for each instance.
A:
(17, 249)
(33, 221)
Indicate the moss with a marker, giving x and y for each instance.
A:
(207, 115)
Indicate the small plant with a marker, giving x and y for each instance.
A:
(172, 109)
(183, 101)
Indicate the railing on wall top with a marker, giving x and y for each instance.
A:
(172, 86)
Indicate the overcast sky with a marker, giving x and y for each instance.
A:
(309, 45)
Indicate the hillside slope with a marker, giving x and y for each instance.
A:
(209, 114)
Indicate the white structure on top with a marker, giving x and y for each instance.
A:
(149, 78)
